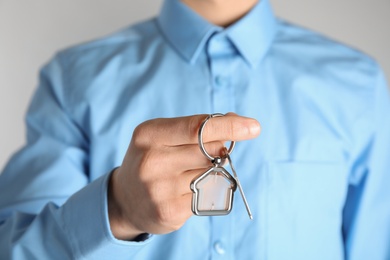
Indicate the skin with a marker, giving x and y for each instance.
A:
(221, 12)
(150, 192)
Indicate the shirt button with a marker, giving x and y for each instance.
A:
(219, 248)
(221, 81)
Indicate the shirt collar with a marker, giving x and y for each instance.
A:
(188, 32)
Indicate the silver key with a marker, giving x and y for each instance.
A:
(239, 185)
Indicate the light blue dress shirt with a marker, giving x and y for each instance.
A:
(317, 179)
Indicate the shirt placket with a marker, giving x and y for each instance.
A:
(221, 56)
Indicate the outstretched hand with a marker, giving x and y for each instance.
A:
(150, 192)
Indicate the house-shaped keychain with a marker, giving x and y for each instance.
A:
(213, 192)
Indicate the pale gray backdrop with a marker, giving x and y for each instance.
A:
(32, 30)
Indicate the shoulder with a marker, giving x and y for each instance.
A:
(84, 71)
(325, 57)
(82, 63)
(125, 39)
(322, 52)
(303, 38)
(339, 80)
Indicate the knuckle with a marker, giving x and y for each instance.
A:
(176, 226)
(158, 189)
(147, 165)
(169, 215)
(144, 164)
(164, 214)
(230, 129)
(193, 126)
(152, 192)
(143, 161)
(144, 133)
(215, 148)
(140, 136)
(153, 160)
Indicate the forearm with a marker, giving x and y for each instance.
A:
(78, 229)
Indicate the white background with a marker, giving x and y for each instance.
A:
(32, 30)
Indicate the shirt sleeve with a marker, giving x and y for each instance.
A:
(366, 226)
(49, 208)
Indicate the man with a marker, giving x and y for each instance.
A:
(316, 179)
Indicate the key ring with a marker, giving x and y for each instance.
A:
(201, 145)
(213, 190)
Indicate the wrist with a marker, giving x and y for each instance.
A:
(120, 226)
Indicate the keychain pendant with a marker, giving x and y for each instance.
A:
(214, 189)
(213, 192)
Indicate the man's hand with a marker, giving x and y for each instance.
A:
(150, 192)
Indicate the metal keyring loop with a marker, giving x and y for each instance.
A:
(200, 139)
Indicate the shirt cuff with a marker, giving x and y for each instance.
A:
(86, 223)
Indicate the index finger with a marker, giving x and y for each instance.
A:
(184, 130)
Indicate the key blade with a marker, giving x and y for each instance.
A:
(240, 187)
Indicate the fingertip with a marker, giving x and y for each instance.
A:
(254, 128)
(253, 125)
